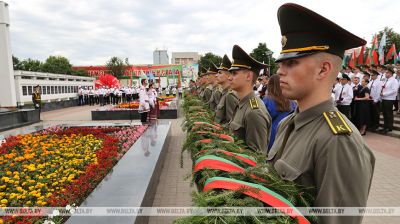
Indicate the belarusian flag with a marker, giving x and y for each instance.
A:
(361, 56)
(353, 60)
(375, 57)
(368, 59)
(391, 52)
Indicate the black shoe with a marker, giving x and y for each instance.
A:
(380, 130)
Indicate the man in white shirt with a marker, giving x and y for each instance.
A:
(80, 96)
(344, 96)
(358, 72)
(382, 70)
(375, 86)
(388, 94)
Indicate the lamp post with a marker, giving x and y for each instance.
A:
(269, 53)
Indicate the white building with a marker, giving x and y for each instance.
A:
(54, 87)
(184, 58)
(160, 57)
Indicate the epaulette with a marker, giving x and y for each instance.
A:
(336, 122)
(253, 103)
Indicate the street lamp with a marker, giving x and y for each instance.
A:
(269, 53)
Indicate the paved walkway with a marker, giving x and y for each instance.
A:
(174, 188)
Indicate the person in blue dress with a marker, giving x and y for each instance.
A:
(277, 105)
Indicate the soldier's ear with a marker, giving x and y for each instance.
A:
(325, 69)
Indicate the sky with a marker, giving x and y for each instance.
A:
(90, 32)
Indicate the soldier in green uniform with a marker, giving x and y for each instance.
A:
(37, 98)
(210, 76)
(251, 122)
(229, 100)
(217, 90)
(317, 146)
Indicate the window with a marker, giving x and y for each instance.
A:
(62, 89)
(59, 89)
(48, 89)
(52, 90)
(24, 91)
(44, 90)
(69, 89)
(29, 90)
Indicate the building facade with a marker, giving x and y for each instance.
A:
(185, 58)
(160, 57)
(54, 87)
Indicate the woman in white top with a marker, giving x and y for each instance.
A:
(144, 102)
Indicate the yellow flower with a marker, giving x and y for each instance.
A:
(4, 201)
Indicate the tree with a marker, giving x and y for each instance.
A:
(391, 37)
(80, 72)
(16, 63)
(57, 65)
(116, 66)
(262, 54)
(205, 60)
(31, 65)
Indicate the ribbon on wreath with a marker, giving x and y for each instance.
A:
(256, 191)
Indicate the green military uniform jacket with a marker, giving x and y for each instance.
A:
(252, 123)
(37, 100)
(215, 97)
(226, 107)
(207, 93)
(325, 151)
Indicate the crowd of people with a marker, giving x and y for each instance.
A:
(105, 95)
(363, 93)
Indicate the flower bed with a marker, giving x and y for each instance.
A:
(164, 102)
(59, 166)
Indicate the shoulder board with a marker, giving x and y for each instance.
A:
(337, 123)
(253, 103)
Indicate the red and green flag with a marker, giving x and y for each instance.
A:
(368, 59)
(353, 60)
(361, 56)
(391, 53)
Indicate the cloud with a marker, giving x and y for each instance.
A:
(91, 32)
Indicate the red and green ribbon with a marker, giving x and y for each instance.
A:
(218, 163)
(242, 157)
(220, 136)
(263, 194)
(213, 126)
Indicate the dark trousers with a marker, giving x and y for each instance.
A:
(91, 100)
(86, 99)
(143, 117)
(375, 112)
(344, 109)
(80, 100)
(387, 111)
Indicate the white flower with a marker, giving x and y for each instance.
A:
(56, 213)
(68, 207)
(48, 222)
(72, 211)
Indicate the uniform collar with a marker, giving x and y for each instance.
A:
(246, 99)
(305, 117)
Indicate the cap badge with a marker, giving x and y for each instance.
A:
(284, 41)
